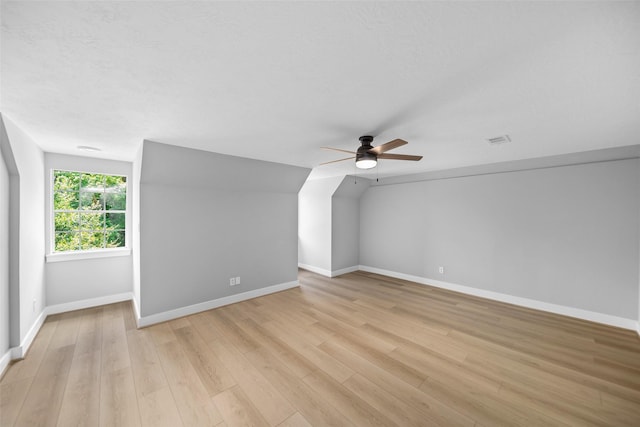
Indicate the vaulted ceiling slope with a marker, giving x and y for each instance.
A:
(276, 80)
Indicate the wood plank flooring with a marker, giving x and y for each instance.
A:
(361, 349)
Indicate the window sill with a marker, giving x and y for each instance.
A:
(75, 256)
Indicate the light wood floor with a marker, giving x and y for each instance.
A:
(361, 349)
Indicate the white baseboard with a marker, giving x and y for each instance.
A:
(317, 270)
(208, 305)
(88, 303)
(4, 361)
(329, 273)
(342, 271)
(578, 313)
(19, 351)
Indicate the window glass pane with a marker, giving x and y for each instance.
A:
(66, 181)
(115, 239)
(91, 221)
(115, 221)
(66, 200)
(67, 241)
(115, 201)
(92, 181)
(91, 201)
(66, 221)
(116, 184)
(91, 240)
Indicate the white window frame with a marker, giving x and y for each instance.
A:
(53, 256)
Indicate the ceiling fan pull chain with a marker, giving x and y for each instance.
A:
(355, 177)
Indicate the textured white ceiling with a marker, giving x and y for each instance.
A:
(275, 81)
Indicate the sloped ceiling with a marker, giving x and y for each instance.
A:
(276, 80)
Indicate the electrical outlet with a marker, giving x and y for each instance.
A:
(441, 270)
(238, 280)
(232, 281)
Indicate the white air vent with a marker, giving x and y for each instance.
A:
(87, 148)
(499, 140)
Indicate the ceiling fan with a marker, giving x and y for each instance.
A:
(367, 156)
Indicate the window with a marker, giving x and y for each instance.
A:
(89, 211)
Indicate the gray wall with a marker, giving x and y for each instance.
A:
(564, 235)
(135, 225)
(207, 217)
(76, 280)
(4, 256)
(345, 220)
(26, 288)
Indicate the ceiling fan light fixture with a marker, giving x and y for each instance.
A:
(366, 163)
(365, 159)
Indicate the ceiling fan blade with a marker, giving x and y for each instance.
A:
(399, 157)
(334, 161)
(388, 146)
(338, 149)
